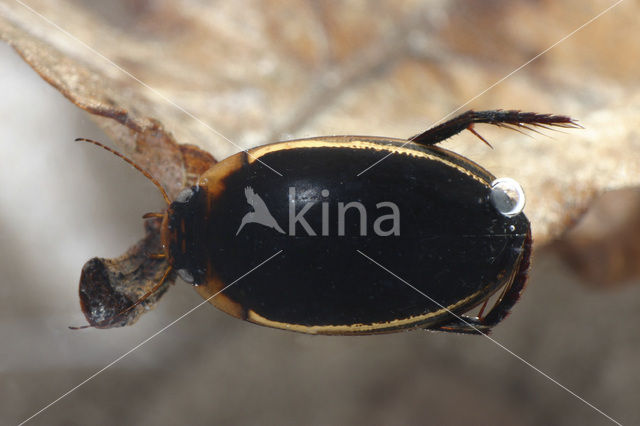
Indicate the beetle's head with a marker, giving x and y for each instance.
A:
(181, 227)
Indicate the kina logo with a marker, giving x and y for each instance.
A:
(331, 219)
(260, 213)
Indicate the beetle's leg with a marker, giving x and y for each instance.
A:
(463, 325)
(484, 306)
(511, 119)
(500, 310)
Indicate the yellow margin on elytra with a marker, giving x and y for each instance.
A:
(366, 142)
(373, 328)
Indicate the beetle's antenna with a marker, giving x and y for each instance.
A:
(512, 119)
(137, 302)
(140, 169)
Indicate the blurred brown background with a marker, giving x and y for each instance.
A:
(259, 71)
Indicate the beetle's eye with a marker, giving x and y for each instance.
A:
(186, 276)
(184, 196)
(507, 196)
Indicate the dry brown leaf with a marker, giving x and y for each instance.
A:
(603, 246)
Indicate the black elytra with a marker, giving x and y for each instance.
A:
(414, 241)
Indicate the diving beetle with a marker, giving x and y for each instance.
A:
(348, 235)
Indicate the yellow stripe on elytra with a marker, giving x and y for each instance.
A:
(361, 142)
(378, 327)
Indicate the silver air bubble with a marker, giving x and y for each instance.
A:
(507, 196)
